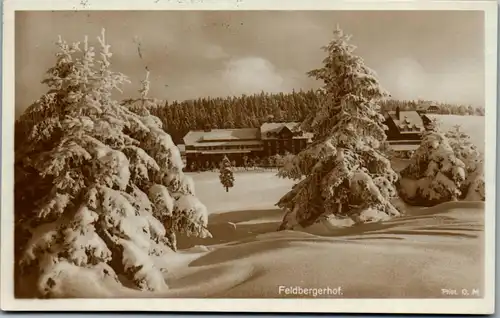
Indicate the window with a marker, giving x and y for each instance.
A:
(279, 147)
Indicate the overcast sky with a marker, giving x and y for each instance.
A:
(437, 55)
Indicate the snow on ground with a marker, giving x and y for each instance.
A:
(252, 190)
(412, 256)
(474, 126)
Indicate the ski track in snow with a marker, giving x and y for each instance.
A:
(412, 256)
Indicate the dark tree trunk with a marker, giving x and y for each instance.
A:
(227, 189)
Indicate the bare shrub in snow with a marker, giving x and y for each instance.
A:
(343, 172)
(99, 185)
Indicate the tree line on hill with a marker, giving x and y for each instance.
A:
(251, 111)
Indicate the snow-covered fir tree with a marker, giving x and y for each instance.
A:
(463, 148)
(342, 173)
(99, 187)
(473, 186)
(226, 176)
(435, 174)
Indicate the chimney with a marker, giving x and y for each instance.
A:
(398, 111)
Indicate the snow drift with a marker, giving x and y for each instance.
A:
(409, 257)
(413, 256)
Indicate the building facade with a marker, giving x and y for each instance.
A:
(432, 109)
(283, 138)
(206, 148)
(182, 151)
(404, 130)
(428, 108)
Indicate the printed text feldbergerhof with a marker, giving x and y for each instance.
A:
(313, 292)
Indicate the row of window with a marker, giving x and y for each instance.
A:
(231, 147)
(410, 128)
(287, 143)
(284, 135)
(287, 146)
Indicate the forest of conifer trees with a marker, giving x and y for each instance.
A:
(179, 117)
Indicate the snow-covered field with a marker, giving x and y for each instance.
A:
(412, 256)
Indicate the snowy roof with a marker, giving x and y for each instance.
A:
(427, 107)
(408, 122)
(276, 128)
(197, 137)
(240, 136)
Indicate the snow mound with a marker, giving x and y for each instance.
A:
(417, 253)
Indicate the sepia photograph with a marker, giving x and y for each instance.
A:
(249, 157)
